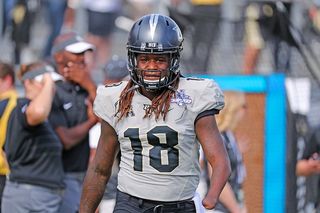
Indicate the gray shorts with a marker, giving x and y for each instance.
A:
(129, 204)
(25, 198)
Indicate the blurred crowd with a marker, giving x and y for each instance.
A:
(84, 42)
(225, 37)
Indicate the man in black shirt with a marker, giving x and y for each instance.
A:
(72, 115)
(309, 165)
(33, 149)
(268, 22)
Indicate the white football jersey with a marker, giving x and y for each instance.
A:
(159, 159)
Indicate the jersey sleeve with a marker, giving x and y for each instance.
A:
(104, 106)
(210, 99)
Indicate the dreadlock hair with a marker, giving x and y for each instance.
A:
(159, 105)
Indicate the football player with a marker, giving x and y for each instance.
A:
(157, 120)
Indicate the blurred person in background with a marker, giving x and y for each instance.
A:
(314, 14)
(72, 116)
(55, 16)
(205, 16)
(34, 152)
(115, 71)
(232, 198)
(267, 22)
(309, 166)
(138, 8)
(7, 6)
(101, 24)
(70, 14)
(200, 20)
(21, 21)
(8, 100)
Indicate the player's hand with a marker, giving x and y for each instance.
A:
(209, 202)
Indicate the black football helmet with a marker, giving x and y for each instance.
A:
(154, 34)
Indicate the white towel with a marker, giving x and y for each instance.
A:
(198, 203)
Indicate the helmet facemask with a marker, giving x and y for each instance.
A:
(164, 80)
(154, 34)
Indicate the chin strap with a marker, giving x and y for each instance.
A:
(172, 88)
(134, 87)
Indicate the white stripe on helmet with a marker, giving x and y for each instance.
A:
(153, 21)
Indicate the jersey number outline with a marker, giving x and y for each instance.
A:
(156, 151)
